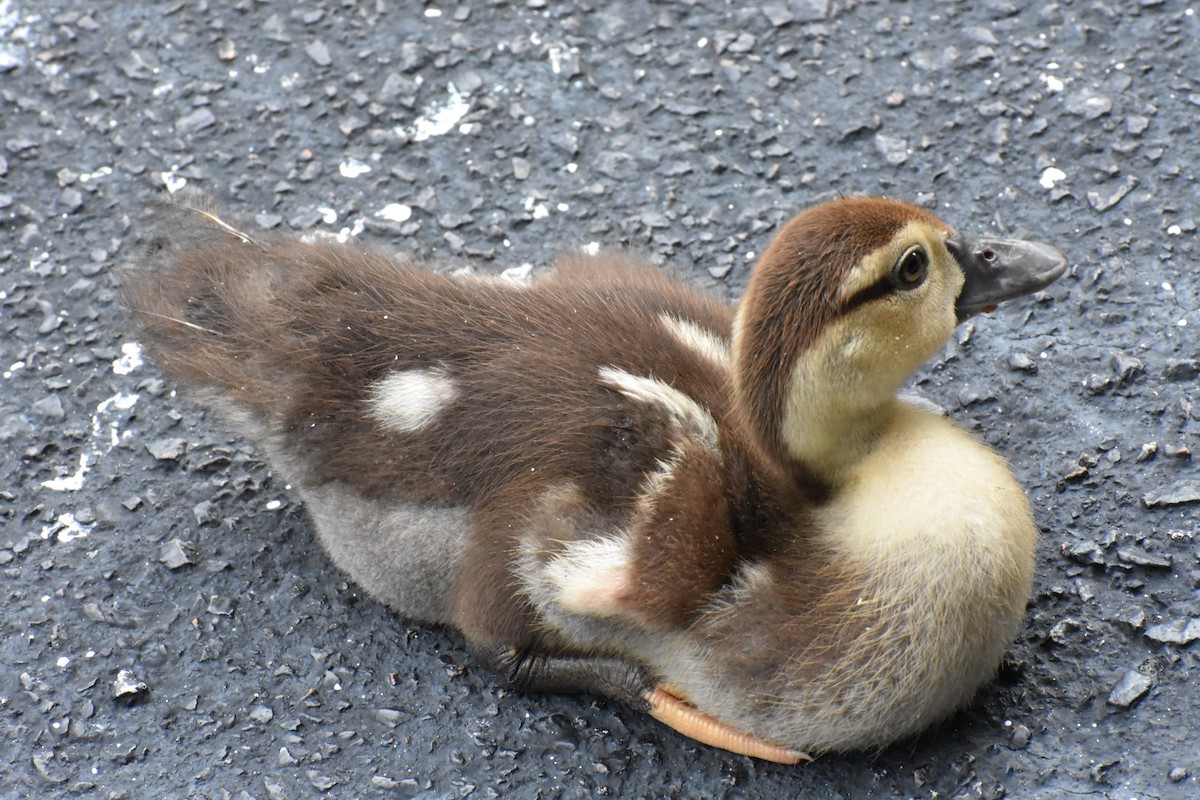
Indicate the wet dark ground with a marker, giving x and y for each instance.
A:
(170, 628)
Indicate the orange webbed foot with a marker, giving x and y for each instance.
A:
(674, 711)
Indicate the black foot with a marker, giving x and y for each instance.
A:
(549, 673)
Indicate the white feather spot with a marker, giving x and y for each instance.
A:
(411, 399)
(684, 411)
(591, 577)
(705, 343)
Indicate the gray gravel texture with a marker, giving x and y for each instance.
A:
(170, 627)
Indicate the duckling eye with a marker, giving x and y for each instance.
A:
(911, 269)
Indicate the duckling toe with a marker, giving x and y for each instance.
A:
(674, 711)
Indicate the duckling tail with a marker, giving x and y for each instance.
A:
(200, 295)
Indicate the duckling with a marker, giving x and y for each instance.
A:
(612, 484)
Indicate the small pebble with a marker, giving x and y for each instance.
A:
(1083, 552)
(1126, 367)
(204, 512)
(50, 407)
(1020, 737)
(778, 13)
(1182, 370)
(392, 717)
(1019, 362)
(167, 449)
(1074, 472)
(194, 122)
(1099, 771)
(1136, 125)
(1097, 383)
(128, 688)
(1143, 558)
(9, 61)
(322, 782)
(1105, 201)
(1061, 632)
(173, 554)
(219, 605)
(1089, 105)
(1180, 631)
(261, 714)
(1178, 451)
(318, 51)
(71, 200)
(1186, 491)
(1129, 689)
(1134, 619)
(43, 763)
(893, 149)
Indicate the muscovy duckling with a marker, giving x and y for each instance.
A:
(612, 484)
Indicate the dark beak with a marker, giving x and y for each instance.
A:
(1001, 269)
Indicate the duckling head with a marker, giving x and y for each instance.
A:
(846, 303)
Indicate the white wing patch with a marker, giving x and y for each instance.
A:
(684, 411)
(412, 399)
(702, 342)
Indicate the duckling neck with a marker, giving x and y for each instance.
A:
(828, 433)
